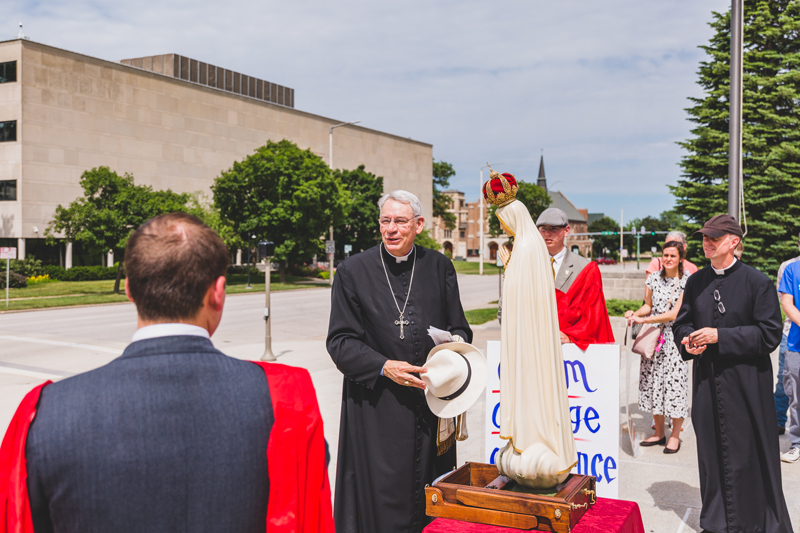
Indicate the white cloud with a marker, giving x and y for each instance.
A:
(601, 86)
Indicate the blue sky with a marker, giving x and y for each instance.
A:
(599, 86)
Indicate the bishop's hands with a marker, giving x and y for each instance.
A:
(504, 255)
(401, 373)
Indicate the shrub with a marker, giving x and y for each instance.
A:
(89, 273)
(44, 278)
(28, 267)
(15, 281)
(303, 271)
(324, 274)
(235, 270)
(55, 272)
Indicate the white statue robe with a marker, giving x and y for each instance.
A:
(534, 408)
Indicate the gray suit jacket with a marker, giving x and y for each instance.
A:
(169, 437)
(571, 266)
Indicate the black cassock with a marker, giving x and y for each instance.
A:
(387, 434)
(733, 411)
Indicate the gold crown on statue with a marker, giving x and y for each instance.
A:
(501, 189)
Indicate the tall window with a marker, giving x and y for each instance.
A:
(8, 190)
(8, 71)
(448, 234)
(8, 131)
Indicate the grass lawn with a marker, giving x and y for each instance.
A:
(618, 307)
(468, 267)
(481, 316)
(66, 293)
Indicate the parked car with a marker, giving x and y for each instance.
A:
(605, 261)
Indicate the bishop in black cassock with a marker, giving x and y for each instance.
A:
(733, 411)
(387, 434)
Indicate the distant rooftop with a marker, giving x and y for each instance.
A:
(560, 201)
(195, 71)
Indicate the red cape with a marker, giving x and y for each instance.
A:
(582, 313)
(299, 496)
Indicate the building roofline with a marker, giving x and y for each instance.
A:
(29, 42)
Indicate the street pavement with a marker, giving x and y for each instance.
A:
(54, 344)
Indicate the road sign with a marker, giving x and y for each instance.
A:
(8, 253)
(348, 248)
(330, 247)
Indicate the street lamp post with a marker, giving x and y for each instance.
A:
(267, 250)
(480, 208)
(330, 165)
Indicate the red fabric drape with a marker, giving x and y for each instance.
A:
(15, 508)
(606, 516)
(582, 313)
(300, 494)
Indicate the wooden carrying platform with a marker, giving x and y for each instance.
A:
(477, 492)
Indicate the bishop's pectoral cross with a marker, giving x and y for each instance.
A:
(401, 323)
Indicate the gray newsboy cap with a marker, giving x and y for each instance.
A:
(552, 216)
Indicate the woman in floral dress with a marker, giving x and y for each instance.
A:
(664, 378)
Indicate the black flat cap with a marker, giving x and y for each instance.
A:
(721, 225)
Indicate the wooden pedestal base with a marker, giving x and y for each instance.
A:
(477, 492)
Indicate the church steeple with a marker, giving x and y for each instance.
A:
(542, 181)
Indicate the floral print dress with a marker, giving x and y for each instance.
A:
(664, 379)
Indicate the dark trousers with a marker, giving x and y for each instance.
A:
(781, 400)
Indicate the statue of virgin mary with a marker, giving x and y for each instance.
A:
(534, 408)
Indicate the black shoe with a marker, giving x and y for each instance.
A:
(670, 450)
(781, 430)
(661, 442)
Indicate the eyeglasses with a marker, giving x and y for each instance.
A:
(550, 229)
(399, 222)
(720, 305)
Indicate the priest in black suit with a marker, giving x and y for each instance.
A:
(384, 300)
(729, 323)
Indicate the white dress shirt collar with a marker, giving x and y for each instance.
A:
(558, 259)
(168, 330)
(721, 271)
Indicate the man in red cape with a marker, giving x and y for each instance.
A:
(582, 314)
(173, 435)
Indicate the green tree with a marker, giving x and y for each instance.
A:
(424, 239)
(111, 207)
(771, 134)
(442, 172)
(535, 199)
(675, 220)
(601, 242)
(648, 240)
(360, 229)
(283, 194)
(203, 208)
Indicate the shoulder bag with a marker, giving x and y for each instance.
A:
(647, 340)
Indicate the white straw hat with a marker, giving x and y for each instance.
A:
(456, 377)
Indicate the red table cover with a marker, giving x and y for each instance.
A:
(606, 516)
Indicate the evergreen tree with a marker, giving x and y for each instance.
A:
(771, 134)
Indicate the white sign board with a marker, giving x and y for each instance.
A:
(8, 253)
(330, 247)
(593, 389)
(348, 248)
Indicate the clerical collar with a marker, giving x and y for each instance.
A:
(721, 271)
(404, 258)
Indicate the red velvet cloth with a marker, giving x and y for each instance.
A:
(15, 507)
(582, 313)
(606, 516)
(299, 496)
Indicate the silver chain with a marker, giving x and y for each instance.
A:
(411, 281)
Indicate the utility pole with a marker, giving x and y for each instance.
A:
(621, 259)
(735, 125)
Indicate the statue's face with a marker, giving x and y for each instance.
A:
(399, 227)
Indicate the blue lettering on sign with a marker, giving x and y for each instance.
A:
(589, 415)
(494, 416)
(494, 453)
(577, 366)
(608, 465)
(498, 370)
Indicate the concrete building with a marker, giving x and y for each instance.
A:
(463, 241)
(170, 121)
